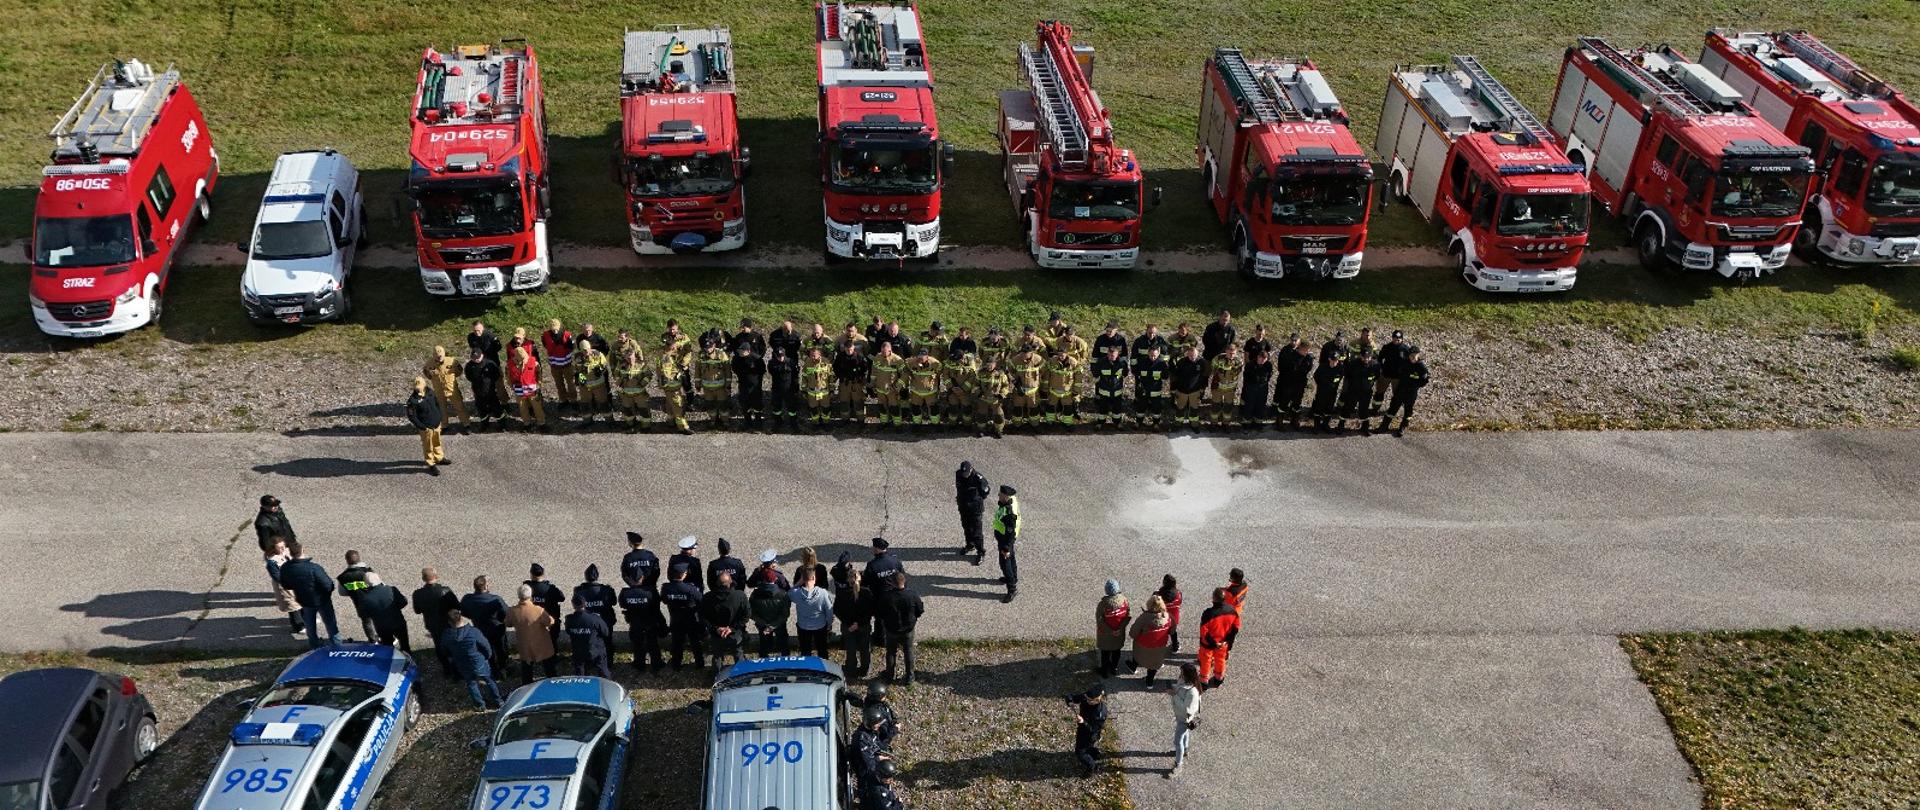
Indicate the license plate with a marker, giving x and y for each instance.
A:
(294, 311)
(1313, 250)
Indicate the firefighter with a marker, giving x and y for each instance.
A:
(1356, 386)
(1224, 380)
(1057, 328)
(995, 346)
(963, 344)
(714, 372)
(591, 637)
(443, 380)
(991, 390)
(885, 381)
(1189, 380)
(963, 373)
(1254, 383)
(783, 377)
(750, 371)
(1406, 391)
(1393, 361)
(1025, 367)
(1059, 378)
(590, 369)
(1219, 335)
(1150, 387)
(936, 342)
(1112, 337)
(1148, 341)
(1218, 627)
(1294, 369)
(630, 374)
(1031, 341)
(851, 368)
(682, 597)
(1181, 338)
(1364, 344)
(1006, 539)
(673, 392)
(559, 344)
(923, 386)
(485, 377)
(748, 338)
(593, 338)
(1258, 343)
(817, 338)
(787, 337)
(1075, 346)
(640, 605)
(1110, 385)
(485, 342)
(677, 344)
(816, 385)
(851, 337)
(1326, 382)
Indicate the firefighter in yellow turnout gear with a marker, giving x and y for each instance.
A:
(991, 389)
(673, 394)
(962, 377)
(714, 375)
(590, 368)
(816, 386)
(1024, 369)
(886, 382)
(1060, 377)
(923, 387)
(1225, 379)
(630, 375)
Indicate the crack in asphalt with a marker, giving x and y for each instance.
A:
(206, 599)
(886, 488)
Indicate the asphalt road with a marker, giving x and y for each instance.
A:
(1431, 622)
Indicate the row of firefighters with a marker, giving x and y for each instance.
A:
(1039, 377)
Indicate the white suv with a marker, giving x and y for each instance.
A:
(304, 240)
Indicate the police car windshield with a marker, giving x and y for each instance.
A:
(337, 695)
(466, 209)
(1088, 200)
(292, 240)
(577, 723)
(692, 175)
(1894, 188)
(882, 167)
(1747, 194)
(83, 241)
(20, 795)
(1543, 215)
(1330, 199)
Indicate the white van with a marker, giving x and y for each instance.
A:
(310, 224)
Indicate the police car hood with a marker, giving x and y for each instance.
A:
(287, 276)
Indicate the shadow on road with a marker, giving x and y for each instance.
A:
(159, 617)
(1013, 765)
(329, 467)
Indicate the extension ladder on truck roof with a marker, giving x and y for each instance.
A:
(1497, 97)
(112, 116)
(1654, 87)
(705, 56)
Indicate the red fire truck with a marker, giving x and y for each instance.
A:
(132, 171)
(478, 183)
(881, 158)
(1864, 134)
(1281, 169)
(1077, 195)
(1670, 148)
(1476, 162)
(681, 160)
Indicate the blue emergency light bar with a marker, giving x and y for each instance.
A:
(677, 137)
(799, 716)
(294, 198)
(515, 769)
(304, 734)
(1541, 168)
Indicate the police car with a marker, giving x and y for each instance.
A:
(560, 743)
(323, 737)
(778, 729)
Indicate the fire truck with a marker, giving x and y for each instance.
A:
(132, 172)
(1476, 162)
(1281, 168)
(881, 158)
(1865, 138)
(681, 161)
(1697, 177)
(1078, 196)
(478, 183)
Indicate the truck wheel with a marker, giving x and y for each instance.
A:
(1242, 257)
(205, 209)
(1459, 256)
(153, 304)
(1652, 249)
(1807, 239)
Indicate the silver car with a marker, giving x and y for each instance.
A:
(559, 744)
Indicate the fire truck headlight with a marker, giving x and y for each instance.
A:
(35, 302)
(1856, 246)
(1350, 261)
(129, 295)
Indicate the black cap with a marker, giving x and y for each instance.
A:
(537, 570)
(593, 572)
(1028, 329)
(724, 546)
(922, 352)
(269, 500)
(746, 321)
(1007, 489)
(937, 326)
(1054, 315)
(880, 542)
(1097, 691)
(634, 538)
(1397, 334)
(966, 466)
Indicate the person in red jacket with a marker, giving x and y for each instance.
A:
(560, 346)
(523, 374)
(1237, 591)
(1218, 627)
(1170, 593)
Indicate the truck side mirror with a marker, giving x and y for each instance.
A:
(343, 240)
(477, 744)
(148, 248)
(244, 248)
(946, 155)
(745, 162)
(1153, 198)
(699, 707)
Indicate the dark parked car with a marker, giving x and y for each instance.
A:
(71, 737)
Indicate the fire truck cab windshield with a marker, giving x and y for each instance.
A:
(1092, 199)
(1543, 215)
(455, 209)
(1319, 199)
(886, 167)
(83, 241)
(1894, 187)
(685, 176)
(1767, 192)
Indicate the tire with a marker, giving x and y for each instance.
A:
(146, 740)
(204, 210)
(346, 306)
(1459, 255)
(413, 711)
(1651, 248)
(1242, 257)
(1400, 189)
(1805, 240)
(154, 301)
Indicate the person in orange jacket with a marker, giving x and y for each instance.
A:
(1218, 627)
(1236, 595)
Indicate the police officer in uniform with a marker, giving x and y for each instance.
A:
(591, 639)
(601, 598)
(547, 595)
(1406, 390)
(728, 563)
(877, 793)
(640, 603)
(682, 598)
(970, 495)
(1006, 536)
(639, 564)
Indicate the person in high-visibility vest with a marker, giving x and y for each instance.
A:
(673, 394)
(559, 344)
(1006, 535)
(1218, 627)
(1237, 591)
(714, 373)
(1061, 376)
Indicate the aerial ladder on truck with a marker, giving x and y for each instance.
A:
(1077, 193)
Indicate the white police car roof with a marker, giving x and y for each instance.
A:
(784, 711)
(544, 769)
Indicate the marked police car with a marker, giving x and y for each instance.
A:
(777, 735)
(561, 743)
(323, 737)
(310, 224)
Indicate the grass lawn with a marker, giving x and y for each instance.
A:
(1792, 719)
(276, 75)
(983, 729)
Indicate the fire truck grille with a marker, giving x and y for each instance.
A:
(1077, 239)
(1761, 233)
(88, 311)
(1311, 245)
(477, 255)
